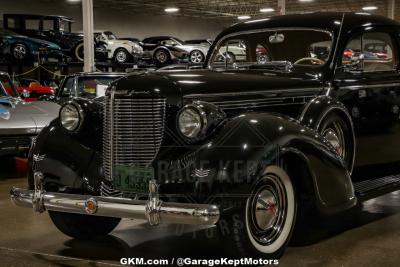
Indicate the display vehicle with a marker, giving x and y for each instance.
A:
(120, 51)
(32, 90)
(166, 49)
(88, 85)
(20, 121)
(19, 48)
(245, 145)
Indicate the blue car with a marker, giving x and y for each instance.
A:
(22, 48)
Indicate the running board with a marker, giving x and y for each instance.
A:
(376, 187)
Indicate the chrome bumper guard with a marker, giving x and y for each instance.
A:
(153, 210)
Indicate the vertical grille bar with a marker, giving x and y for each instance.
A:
(133, 131)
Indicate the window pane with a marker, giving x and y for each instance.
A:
(32, 24)
(48, 25)
(378, 52)
(11, 23)
(351, 55)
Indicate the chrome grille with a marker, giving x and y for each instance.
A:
(133, 131)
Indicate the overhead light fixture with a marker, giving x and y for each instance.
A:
(369, 8)
(266, 10)
(243, 17)
(306, 1)
(73, 1)
(171, 9)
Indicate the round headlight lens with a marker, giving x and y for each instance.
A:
(70, 117)
(190, 123)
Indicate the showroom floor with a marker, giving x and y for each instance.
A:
(367, 236)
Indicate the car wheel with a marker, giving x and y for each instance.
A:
(338, 133)
(121, 56)
(162, 57)
(79, 52)
(264, 224)
(196, 56)
(19, 52)
(81, 226)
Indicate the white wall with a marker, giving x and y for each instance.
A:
(122, 23)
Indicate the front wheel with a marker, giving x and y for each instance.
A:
(264, 225)
(162, 57)
(79, 52)
(196, 56)
(83, 226)
(121, 56)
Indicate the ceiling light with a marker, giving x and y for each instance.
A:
(266, 10)
(73, 1)
(367, 8)
(171, 9)
(306, 1)
(243, 17)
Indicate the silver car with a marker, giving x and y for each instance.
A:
(20, 121)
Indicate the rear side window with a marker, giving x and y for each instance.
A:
(11, 23)
(32, 24)
(48, 25)
(371, 52)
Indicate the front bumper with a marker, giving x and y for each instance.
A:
(153, 210)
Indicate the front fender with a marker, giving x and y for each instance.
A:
(255, 140)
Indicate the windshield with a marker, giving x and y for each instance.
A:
(307, 47)
(110, 36)
(91, 87)
(65, 26)
(7, 88)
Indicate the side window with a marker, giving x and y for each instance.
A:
(262, 54)
(378, 50)
(32, 24)
(48, 25)
(370, 52)
(11, 23)
(67, 88)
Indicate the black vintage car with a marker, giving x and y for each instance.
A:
(244, 144)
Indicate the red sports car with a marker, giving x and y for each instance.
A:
(32, 90)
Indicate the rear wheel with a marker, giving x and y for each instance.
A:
(162, 57)
(121, 56)
(338, 133)
(79, 52)
(265, 222)
(196, 56)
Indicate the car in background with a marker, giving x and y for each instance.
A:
(166, 49)
(20, 121)
(120, 51)
(85, 85)
(32, 90)
(20, 48)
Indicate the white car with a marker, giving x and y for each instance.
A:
(165, 49)
(121, 51)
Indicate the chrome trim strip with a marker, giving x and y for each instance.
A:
(111, 141)
(367, 86)
(272, 92)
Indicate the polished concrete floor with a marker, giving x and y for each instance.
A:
(366, 236)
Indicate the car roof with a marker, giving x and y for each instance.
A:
(39, 16)
(157, 38)
(330, 21)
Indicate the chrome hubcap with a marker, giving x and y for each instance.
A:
(334, 134)
(19, 52)
(161, 56)
(268, 210)
(121, 56)
(196, 57)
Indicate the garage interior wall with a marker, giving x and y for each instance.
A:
(123, 24)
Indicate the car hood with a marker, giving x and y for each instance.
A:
(18, 117)
(207, 83)
(38, 41)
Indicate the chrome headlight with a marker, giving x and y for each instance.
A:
(195, 121)
(71, 117)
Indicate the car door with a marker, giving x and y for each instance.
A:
(368, 83)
